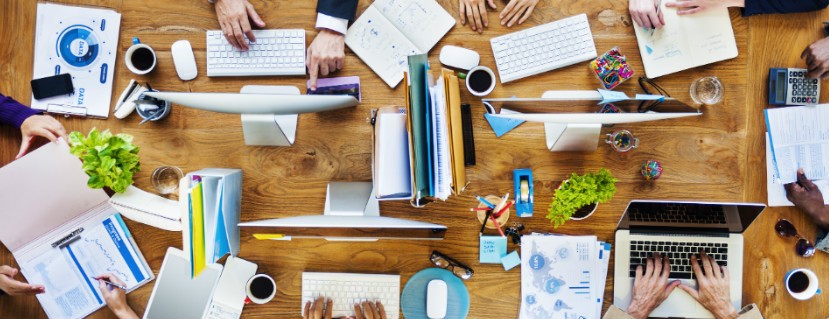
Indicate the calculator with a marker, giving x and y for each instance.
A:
(789, 86)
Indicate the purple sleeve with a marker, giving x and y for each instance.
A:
(14, 113)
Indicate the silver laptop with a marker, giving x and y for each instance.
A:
(679, 230)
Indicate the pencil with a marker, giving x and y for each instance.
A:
(502, 203)
(498, 226)
(484, 201)
(498, 214)
(488, 213)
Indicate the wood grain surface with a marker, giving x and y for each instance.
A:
(717, 156)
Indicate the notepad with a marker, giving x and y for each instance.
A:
(390, 30)
(686, 41)
(492, 249)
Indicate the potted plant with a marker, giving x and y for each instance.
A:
(578, 197)
(109, 160)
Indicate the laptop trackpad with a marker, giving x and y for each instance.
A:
(677, 304)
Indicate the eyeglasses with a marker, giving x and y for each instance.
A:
(650, 87)
(803, 247)
(446, 262)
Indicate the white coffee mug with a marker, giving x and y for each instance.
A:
(474, 70)
(257, 299)
(136, 44)
(810, 291)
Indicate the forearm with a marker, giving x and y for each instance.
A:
(13, 113)
(126, 313)
(782, 6)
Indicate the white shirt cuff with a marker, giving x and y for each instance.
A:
(332, 23)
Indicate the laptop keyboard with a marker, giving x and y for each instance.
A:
(677, 213)
(679, 253)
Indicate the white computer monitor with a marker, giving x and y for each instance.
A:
(269, 113)
(352, 213)
(571, 118)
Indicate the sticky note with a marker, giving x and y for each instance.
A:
(501, 125)
(511, 260)
(612, 96)
(492, 249)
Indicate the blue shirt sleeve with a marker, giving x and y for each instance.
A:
(782, 6)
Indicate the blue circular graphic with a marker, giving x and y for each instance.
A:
(553, 285)
(536, 262)
(530, 299)
(78, 46)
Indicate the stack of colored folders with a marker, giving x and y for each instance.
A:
(210, 201)
(435, 132)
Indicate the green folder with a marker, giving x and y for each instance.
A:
(419, 113)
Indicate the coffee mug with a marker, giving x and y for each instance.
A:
(261, 288)
(802, 283)
(480, 81)
(140, 58)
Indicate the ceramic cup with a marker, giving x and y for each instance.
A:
(260, 289)
(480, 81)
(140, 58)
(802, 283)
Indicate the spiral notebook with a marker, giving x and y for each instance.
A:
(148, 209)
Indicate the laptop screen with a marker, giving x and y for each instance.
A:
(656, 215)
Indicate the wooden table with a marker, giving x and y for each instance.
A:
(717, 156)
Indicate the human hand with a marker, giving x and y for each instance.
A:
(319, 309)
(116, 298)
(807, 196)
(233, 16)
(326, 54)
(370, 310)
(694, 6)
(14, 287)
(644, 13)
(713, 291)
(517, 11)
(816, 56)
(39, 125)
(475, 11)
(651, 287)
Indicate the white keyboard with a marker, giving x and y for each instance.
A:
(275, 52)
(346, 289)
(543, 48)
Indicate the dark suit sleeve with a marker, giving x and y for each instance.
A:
(343, 9)
(782, 6)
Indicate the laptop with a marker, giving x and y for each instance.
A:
(678, 230)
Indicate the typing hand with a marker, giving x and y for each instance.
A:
(40, 125)
(233, 17)
(517, 10)
(475, 12)
(326, 54)
(713, 291)
(816, 56)
(644, 13)
(369, 310)
(651, 286)
(694, 6)
(806, 196)
(14, 287)
(319, 309)
(116, 298)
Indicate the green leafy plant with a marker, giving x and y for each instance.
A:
(109, 160)
(580, 191)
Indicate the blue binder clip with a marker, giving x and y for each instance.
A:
(523, 179)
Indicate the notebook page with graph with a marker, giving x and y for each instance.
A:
(686, 41)
(390, 30)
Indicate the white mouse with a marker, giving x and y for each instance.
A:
(436, 299)
(184, 60)
(458, 57)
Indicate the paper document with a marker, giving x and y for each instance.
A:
(686, 41)
(777, 191)
(83, 42)
(562, 276)
(390, 30)
(147, 208)
(392, 169)
(67, 272)
(799, 139)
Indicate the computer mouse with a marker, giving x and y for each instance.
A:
(458, 57)
(184, 60)
(436, 299)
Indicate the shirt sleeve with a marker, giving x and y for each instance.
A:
(13, 113)
(782, 6)
(325, 21)
(343, 9)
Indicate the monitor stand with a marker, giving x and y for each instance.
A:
(351, 199)
(572, 137)
(269, 129)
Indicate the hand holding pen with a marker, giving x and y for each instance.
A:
(114, 293)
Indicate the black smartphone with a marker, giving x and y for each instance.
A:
(52, 86)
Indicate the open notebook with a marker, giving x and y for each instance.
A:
(390, 30)
(686, 41)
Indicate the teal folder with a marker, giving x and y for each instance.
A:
(420, 135)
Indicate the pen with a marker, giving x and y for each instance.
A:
(112, 283)
(501, 203)
(498, 226)
(498, 214)
(488, 213)
(658, 8)
(484, 201)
